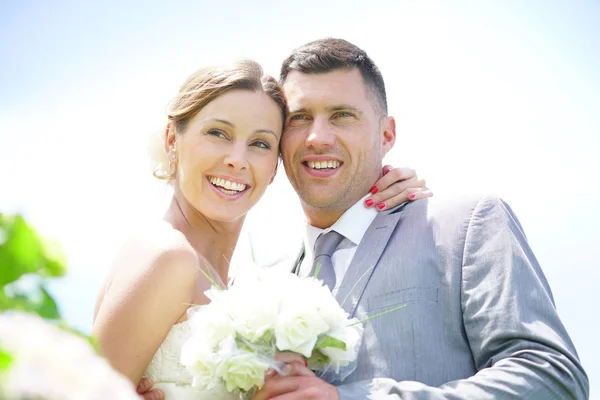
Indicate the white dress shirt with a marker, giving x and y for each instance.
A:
(352, 224)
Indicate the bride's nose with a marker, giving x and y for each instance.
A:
(237, 157)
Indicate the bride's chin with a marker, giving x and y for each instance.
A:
(226, 213)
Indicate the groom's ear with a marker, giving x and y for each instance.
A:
(389, 134)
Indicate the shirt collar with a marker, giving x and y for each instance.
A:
(352, 224)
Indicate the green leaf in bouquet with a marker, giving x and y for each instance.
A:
(5, 360)
(317, 360)
(328, 341)
(317, 270)
(379, 314)
(211, 279)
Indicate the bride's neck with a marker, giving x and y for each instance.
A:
(213, 240)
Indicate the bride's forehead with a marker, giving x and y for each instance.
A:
(241, 107)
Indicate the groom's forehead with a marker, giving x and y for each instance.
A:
(337, 86)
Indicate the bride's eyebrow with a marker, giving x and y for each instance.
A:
(267, 131)
(225, 122)
(222, 121)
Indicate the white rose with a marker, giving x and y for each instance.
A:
(327, 305)
(239, 368)
(201, 361)
(210, 324)
(351, 336)
(298, 329)
(252, 309)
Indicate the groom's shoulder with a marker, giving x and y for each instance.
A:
(450, 207)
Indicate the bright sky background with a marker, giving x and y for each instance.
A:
(500, 97)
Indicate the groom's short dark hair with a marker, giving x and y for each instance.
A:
(329, 54)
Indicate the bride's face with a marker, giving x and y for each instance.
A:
(228, 154)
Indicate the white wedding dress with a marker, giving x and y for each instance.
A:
(167, 372)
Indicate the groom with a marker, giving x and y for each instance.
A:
(479, 321)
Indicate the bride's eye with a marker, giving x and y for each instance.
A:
(263, 144)
(217, 133)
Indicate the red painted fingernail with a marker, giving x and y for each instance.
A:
(412, 196)
(305, 363)
(374, 190)
(386, 171)
(369, 202)
(380, 206)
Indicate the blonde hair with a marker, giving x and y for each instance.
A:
(202, 87)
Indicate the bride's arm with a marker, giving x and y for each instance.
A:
(150, 290)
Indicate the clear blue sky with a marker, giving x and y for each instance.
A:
(499, 97)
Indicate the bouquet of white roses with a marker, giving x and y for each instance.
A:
(267, 311)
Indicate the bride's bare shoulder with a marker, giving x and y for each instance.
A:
(153, 253)
(156, 241)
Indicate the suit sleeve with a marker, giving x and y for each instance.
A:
(519, 345)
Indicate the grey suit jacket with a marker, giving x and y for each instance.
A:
(479, 321)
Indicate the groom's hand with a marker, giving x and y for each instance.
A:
(144, 389)
(296, 388)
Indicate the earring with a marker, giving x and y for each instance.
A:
(172, 165)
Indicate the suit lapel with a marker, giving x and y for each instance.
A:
(366, 258)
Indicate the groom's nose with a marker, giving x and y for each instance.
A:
(321, 134)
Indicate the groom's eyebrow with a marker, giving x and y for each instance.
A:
(339, 107)
(345, 107)
(298, 110)
(225, 122)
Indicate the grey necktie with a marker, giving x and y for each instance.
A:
(324, 248)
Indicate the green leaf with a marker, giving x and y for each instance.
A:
(47, 307)
(317, 360)
(39, 302)
(54, 259)
(317, 270)
(5, 360)
(22, 251)
(379, 315)
(328, 341)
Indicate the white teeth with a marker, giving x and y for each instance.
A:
(323, 164)
(229, 186)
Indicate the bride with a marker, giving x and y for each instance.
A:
(222, 143)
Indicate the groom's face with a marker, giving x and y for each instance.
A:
(334, 141)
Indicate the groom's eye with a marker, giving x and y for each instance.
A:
(343, 114)
(299, 117)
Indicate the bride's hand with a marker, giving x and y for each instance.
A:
(397, 186)
(293, 365)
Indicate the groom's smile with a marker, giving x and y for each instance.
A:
(321, 166)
